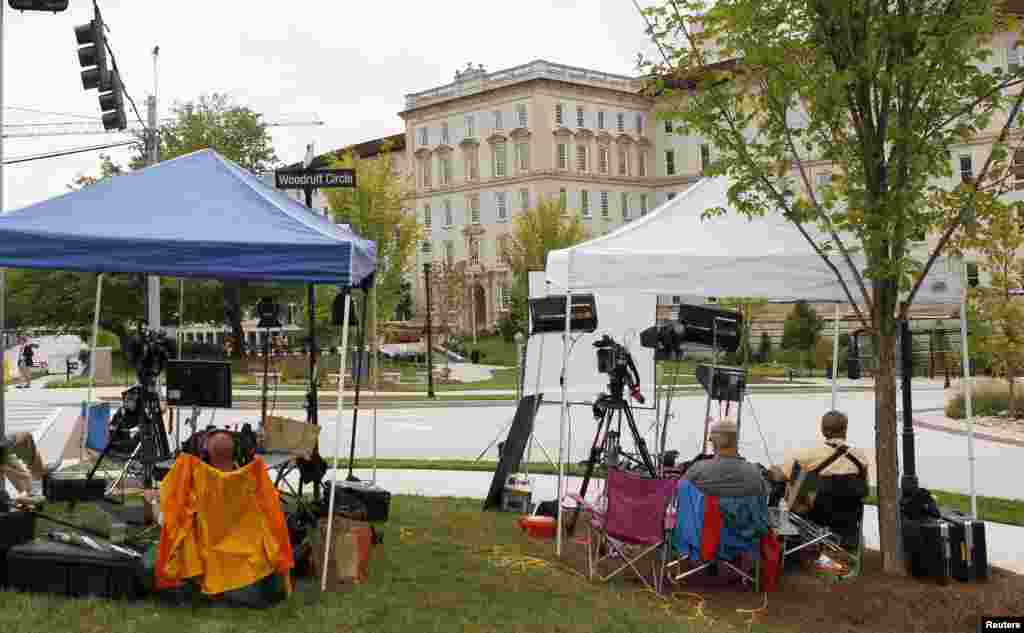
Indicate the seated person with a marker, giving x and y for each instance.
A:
(726, 474)
(847, 477)
(221, 450)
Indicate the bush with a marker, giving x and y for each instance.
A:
(507, 329)
(990, 397)
(764, 352)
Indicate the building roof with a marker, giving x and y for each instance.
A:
(366, 149)
(477, 80)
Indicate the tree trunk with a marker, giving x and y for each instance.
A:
(233, 315)
(886, 449)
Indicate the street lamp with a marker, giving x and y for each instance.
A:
(430, 338)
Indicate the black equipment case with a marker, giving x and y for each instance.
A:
(74, 488)
(969, 552)
(70, 570)
(929, 548)
(374, 499)
(15, 528)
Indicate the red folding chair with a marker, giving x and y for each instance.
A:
(630, 527)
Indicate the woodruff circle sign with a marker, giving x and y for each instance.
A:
(314, 178)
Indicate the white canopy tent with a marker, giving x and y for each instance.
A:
(672, 251)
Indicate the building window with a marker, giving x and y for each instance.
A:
(426, 215)
(472, 163)
(558, 114)
(643, 204)
(668, 126)
(470, 126)
(522, 115)
(670, 162)
(705, 158)
(424, 136)
(426, 247)
(676, 300)
(499, 200)
(498, 124)
(444, 134)
(602, 160)
(425, 177)
(446, 171)
(524, 199)
(579, 116)
(966, 169)
(563, 156)
(600, 119)
(449, 253)
(604, 204)
(624, 203)
(620, 123)
(504, 297)
(585, 203)
(499, 159)
(623, 162)
(563, 201)
(639, 124)
(642, 165)
(448, 220)
(581, 158)
(474, 209)
(523, 157)
(474, 251)
(1013, 57)
(671, 195)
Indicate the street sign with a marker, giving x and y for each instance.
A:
(314, 178)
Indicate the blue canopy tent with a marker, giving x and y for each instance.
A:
(199, 216)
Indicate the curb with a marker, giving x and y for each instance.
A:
(998, 439)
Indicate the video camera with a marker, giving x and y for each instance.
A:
(148, 353)
(666, 340)
(616, 361)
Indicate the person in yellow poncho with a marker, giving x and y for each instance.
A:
(225, 529)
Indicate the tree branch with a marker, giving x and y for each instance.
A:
(958, 220)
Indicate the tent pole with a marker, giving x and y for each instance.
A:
(376, 372)
(337, 439)
(968, 399)
(564, 412)
(92, 359)
(835, 358)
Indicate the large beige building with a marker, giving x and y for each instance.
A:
(488, 145)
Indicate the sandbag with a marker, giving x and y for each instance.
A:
(349, 560)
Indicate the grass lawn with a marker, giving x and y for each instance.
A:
(443, 566)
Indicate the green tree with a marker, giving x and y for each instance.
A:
(764, 352)
(997, 237)
(802, 328)
(376, 209)
(881, 91)
(747, 307)
(546, 227)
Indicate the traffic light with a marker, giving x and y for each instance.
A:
(112, 105)
(55, 6)
(92, 56)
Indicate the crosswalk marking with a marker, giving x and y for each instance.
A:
(28, 417)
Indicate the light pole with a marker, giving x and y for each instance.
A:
(518, 338)
(430, 336)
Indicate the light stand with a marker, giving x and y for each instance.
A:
(269, 319)
(357, 375)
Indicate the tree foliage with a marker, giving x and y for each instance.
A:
(802, 328)
(376, 210)
(878, 90)
(747, 307)
(546, 227)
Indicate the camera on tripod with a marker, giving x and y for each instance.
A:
(149, 353)
(612, 358)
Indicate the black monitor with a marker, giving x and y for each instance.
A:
(199, 383)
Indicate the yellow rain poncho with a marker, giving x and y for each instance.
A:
(225, 528)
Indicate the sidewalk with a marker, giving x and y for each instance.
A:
(939, 422)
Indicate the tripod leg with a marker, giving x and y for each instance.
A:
(641, 444)
(595, 455)
(110, 443)
(495, 440)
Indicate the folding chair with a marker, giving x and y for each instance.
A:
(688, 543)
(630, 527)
(848, 542)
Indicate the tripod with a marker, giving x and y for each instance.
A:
(141, 410)
(609, 410)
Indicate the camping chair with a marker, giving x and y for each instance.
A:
(631, 526)
(687, 540)
(835, 522)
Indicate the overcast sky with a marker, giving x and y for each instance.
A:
(348, 63)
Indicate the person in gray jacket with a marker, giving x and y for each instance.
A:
(726, 474)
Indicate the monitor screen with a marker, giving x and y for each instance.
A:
(199, 383)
